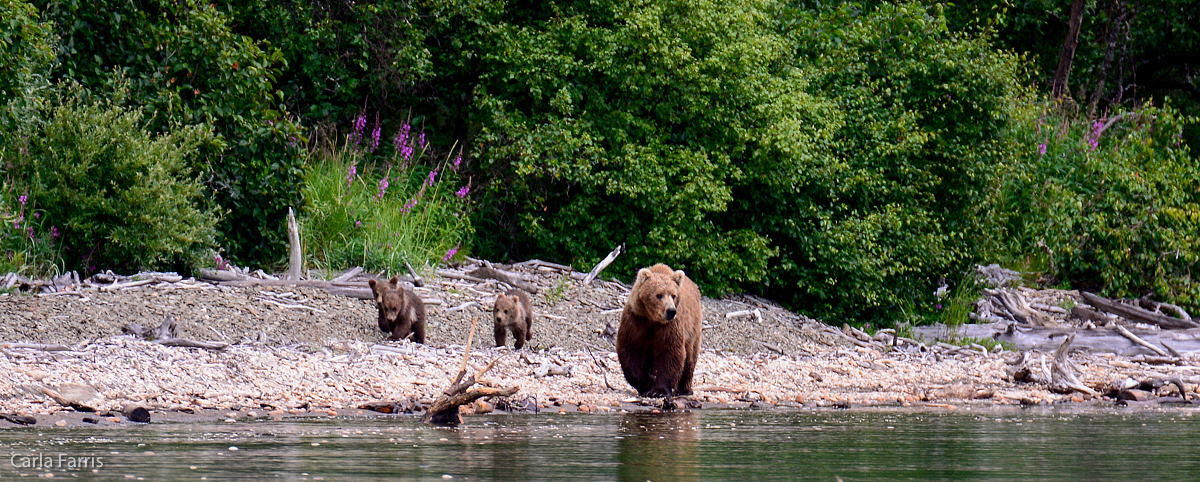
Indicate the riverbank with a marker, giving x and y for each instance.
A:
(299, 350)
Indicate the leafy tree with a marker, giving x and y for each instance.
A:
(187, 67)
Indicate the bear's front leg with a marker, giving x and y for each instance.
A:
(665, 373)
(401, 331)
(518, 337)
(501, 335)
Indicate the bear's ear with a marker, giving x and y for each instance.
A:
(678, 276)
(395, 281)
(372, 283)
(642, 275)
(516, 300)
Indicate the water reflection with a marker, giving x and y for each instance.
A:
(659, 446)
(698, 445)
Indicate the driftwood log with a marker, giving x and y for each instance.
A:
(490, 272)
(295, 253)
(1062, 372)
(168, 334)
(1138, 314)
(603, 264)
(444, 410)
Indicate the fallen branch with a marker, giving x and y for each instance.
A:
(756, 313)
(1136, 314)
(1062, 371)
(769, 346)
(344, 277)
(417, 280)
(289, 306)
(35, 346)
(445, 409)
(64, 401)
(465, 306)
(603, 264)
(186, 343)
(1139, 341)
(488, 272)
(295, 254)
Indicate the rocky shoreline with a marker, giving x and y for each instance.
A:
(295, 351)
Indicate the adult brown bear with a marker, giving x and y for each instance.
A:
(658, 340)
(401, 312)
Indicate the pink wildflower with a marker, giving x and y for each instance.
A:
(353, 171)
(1041, 149)
(383, 186)
(450, 254)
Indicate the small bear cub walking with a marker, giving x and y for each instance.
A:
(401, 312)
(513, 313)
(658, 340)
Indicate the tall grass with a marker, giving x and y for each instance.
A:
(376, 209)
(27, 245)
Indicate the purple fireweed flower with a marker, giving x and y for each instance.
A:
(54, 232)
(462, 193)
(360, 123)
(353, 171)
(421, 140)
(375, 134)
(457, 162)
(358, 224)
(30, 231)
(37, 215)
(23, 198)
(1041, 149)
(406, 152)
(383, 186)
(432, 175)
(450, 254)
(408, 206)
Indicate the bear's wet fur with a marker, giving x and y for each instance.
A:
(401, 312)
(513, 313)
(658, 340)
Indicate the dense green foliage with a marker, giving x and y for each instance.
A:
(186, 65)
(1114, 206)
(843, 158)
(125, 198)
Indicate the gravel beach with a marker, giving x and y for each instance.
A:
(296, 349)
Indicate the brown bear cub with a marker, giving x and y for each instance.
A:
(513, 313)
(658, 340)
(401, 312)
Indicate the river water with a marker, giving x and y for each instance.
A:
(871, 444)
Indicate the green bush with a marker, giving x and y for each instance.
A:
(899, 197)
(185, 64)
(838, 161)
(367, 208)
(1113, 203)
(117, 196)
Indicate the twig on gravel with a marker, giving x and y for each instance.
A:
(183, 342)
(35, 346)
(756, 313)
(769, 346)
(1134, 338)
(289, 306)
(465, 306)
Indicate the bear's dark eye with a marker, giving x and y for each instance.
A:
(660, 297)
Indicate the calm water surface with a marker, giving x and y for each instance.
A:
(1042, 444)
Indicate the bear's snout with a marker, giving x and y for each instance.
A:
(670, 314)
